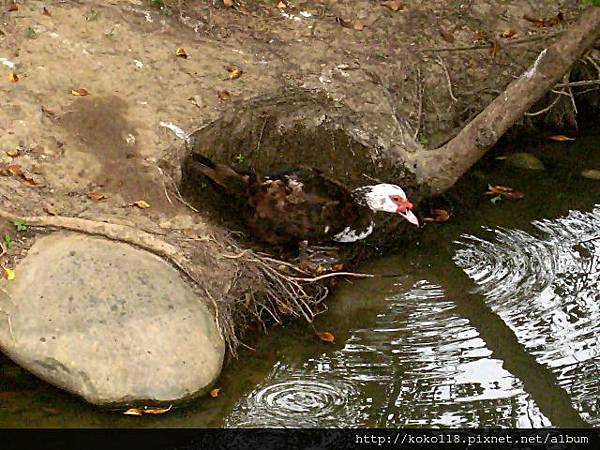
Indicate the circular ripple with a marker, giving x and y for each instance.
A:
(298, 403)
(300, 397)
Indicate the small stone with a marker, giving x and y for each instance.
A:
(523, 160)
(591, 174)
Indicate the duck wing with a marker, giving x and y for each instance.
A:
(302, 205)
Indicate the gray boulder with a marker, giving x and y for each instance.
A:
(109, 322)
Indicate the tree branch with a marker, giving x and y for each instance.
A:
(439, 169)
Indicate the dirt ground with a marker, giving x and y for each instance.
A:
(436, 64)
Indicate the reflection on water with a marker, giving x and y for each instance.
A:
(546, 289)
(421, 349)
(418, 365)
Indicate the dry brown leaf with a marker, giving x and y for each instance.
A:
(561, 138)
(447, 35)
(215, 393)
(13, 77)
(96, 196)
(228, 3)
(326, 336)
(338, 267)
(133, 412)
(281, 5)
(357, 25)
(224, 95)
(45, 12)
(28, 180)
(15, 170)
(504, 191)
(394, 5)
(13, 153)
(9, 274)
(12, 7)
(142, 204)
(155, 411)
(508, 34)
(438, 216)
(552, 22)
(51, 210)
(81, 92)
(48, 112)
(234, 71)
(181, 53)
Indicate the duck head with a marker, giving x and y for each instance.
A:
(386, 198)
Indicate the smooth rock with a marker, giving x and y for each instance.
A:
(523, 160)
(591, 174)
(109, 322)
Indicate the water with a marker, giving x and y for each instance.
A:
(494, 326)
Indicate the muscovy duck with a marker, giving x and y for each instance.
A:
(304, 204)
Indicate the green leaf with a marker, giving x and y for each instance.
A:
(591, 2)
(8, 241)
(20, 225)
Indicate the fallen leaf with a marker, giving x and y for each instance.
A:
(394, 5)
(326, 336)
(228, 3)
(45, 12)
(357, 25)
(281, 5)
(28, 180)
(142, 204)
(15, 170)
(96, 196)
(155, 411)
(50, 210)
(12, 7)
(133, 412)
(215, 393)
(438, 216)
(81, 92)
(224, 95)
(48, 112)
(553, 21)
(13, 153)
(234, 71)
(561, 138)
(504, 191)
(12, 77)
(447, 35)
(180, 52)
(9, 274)
(508, 34)
(481, 35)
(338, 267)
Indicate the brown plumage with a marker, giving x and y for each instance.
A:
(300, 204)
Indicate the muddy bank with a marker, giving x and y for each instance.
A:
(406, 79)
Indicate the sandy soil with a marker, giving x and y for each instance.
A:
(123, 54)
(434, 62)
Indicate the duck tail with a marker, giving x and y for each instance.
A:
(220, 174)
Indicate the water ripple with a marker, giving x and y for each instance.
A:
(292, 400)
(419, 364)
(545, 286)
